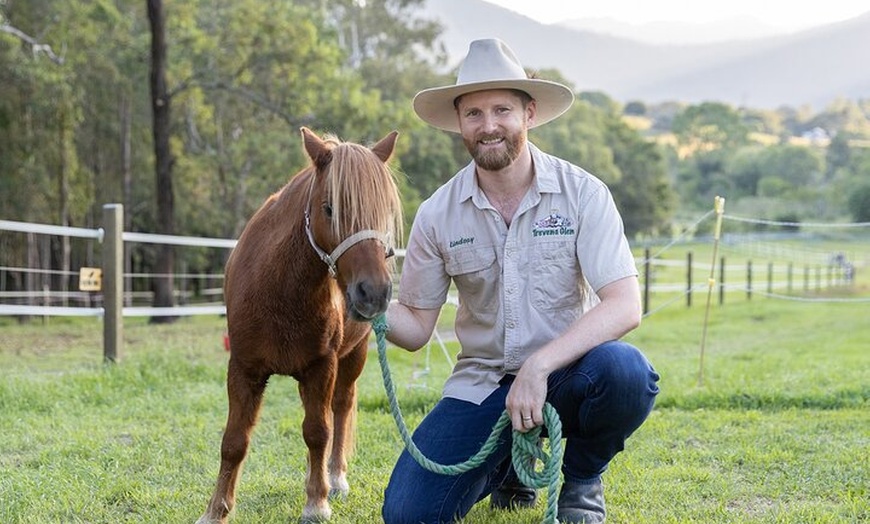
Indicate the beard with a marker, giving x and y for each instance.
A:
(495, 159)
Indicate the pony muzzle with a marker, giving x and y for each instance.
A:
(366, 300)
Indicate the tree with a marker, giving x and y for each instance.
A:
(842, 115)
(795, 166)
(644, 192)
(32, 42)
(386, 41)
(702, 177)
(745, 168)
(839, 154)
(710, 125)
(635, 108)
(859, 203)
(593, 135)
(40, 113)
(163, 159)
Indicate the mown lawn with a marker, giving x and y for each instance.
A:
(778, 432)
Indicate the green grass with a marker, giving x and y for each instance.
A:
(778, 432)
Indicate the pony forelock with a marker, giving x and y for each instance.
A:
(362, 191)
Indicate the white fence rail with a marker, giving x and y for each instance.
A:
(109, 303)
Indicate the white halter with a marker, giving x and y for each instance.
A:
(331, 259)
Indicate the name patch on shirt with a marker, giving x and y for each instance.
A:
(553, 224)
(461, 241)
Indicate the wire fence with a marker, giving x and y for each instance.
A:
(806, 264)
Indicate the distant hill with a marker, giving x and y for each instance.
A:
(811, 67)
(665, 32)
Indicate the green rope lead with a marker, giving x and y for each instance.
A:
(524, 448)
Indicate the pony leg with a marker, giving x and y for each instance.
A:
(344, 418)
(316, 390)
(245, 398)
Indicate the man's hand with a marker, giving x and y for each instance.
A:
(526, 398)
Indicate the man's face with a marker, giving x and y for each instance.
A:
(494, 126)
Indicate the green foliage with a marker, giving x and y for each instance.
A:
(244, 75)
(635, 108)
(777, 171)
(703, 176)
(644, 193)
(593, 136)
(580, 136)
(859, 203)
(845, 116)
(710, 125)
(839, 154)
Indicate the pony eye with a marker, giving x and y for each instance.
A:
(327, 209)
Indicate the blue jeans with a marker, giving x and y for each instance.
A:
(601, 399)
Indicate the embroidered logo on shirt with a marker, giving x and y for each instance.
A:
(462, 240)
(553, 224)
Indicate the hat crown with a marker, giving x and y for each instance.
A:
(490, 64)
(487, 60)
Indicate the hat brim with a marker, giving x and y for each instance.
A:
(435, 106)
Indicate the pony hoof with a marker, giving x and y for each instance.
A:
(313, 519)
(205, 519)
(315, 515)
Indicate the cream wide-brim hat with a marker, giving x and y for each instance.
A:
(490, 64)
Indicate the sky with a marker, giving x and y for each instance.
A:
(789, 14)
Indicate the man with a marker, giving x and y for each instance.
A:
(547, 285)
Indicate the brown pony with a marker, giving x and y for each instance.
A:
(311, 268)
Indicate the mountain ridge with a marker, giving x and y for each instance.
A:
(670, 32)
(812, 67)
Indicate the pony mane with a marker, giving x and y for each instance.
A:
(362, 191)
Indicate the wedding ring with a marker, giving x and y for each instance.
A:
(527, 418)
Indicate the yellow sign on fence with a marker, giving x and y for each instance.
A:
(90, 279)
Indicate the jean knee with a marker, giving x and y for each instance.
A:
(627, 380)
(390, 513)
(394, 511)
(399, 506)
(625, 367)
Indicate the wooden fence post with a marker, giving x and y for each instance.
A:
(689, 279)
(113, 282)
(646, 283)
(749, 280)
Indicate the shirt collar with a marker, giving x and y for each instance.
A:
(545, 177)
(545, 174)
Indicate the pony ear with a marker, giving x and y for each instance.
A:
(315, 147)
(384, 148)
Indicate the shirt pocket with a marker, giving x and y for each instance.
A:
(556, 279)
(476, 275)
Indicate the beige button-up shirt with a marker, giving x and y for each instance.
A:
(520, 286)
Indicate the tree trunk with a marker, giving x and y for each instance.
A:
(163, 159)
(65, 132)
(125, 115)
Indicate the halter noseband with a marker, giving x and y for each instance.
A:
(331, 259)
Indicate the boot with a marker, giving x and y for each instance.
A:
(512, 494)
(581, 503)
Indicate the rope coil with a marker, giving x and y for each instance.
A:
(524, 448)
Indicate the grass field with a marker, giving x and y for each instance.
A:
(779, 431)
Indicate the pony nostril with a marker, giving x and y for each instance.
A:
(367, 292)
(368, 299)
(363, 291)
